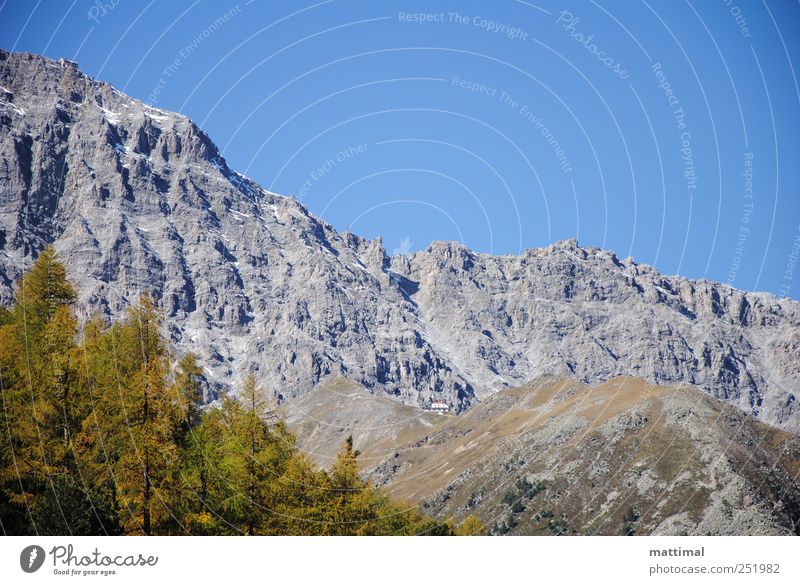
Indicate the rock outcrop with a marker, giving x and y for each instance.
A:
(139, 199)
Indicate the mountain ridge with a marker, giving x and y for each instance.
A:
(136, 198)
(556, 456)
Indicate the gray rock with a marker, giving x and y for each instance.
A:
(135, 198)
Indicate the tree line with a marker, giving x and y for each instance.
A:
(104, 432)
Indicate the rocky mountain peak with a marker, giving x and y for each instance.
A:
(136, 198)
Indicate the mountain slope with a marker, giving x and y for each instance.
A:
(620, 456)
(558, 457)
(135, 198)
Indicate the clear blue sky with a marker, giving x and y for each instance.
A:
(503, 124)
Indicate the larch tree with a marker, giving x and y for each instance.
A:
(103, 433)
(351, 502)
(256, 447)
(139, 418)
(472, 526)
(301, 497)
(41, 397)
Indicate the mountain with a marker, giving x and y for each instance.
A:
(623, 456)
(135, 198)
(556, 456)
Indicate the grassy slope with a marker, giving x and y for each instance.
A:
(605, 459)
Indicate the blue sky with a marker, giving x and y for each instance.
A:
(663, 130)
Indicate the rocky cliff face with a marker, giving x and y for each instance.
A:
(135, 198)
(138, 199)
(568, 310)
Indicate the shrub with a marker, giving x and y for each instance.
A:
(632, 515)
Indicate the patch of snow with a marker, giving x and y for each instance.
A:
(239, 213)
(663, 290)
(159, 118)
(112, 117)
(574, 256)
(18, 111)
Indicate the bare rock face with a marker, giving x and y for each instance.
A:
(135, 198)
(568, 310)
(138, 199)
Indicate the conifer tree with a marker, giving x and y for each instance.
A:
(351, 502)
(41, 291)
(188, 394)
(138, 418)
(96, 445)
(472, 526)
(37, 372)
(203, 481)
(258, 447)
(302, 495)
(103, 433)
